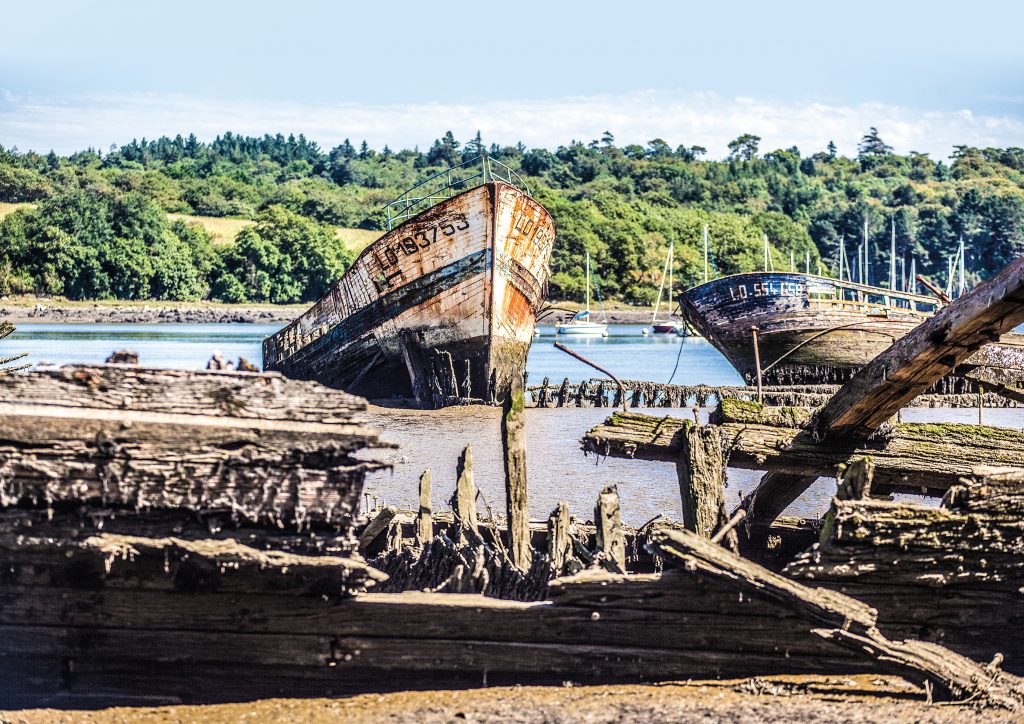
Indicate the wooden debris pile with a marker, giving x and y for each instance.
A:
(458, 552)
(952, 574)
(101, 463)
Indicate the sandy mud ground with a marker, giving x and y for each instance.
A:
(762, 701)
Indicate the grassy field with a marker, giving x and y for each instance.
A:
(224, 231)
(6, 208)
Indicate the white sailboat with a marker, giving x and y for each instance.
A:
(580, 323)
(668, 326)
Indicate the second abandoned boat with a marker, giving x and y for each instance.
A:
(810, 329)
(442, 307)
(813, 329)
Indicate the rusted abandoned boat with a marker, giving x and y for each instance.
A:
(813, 329)
(809, 329)
(441, 308)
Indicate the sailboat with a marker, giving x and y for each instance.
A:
(668, 326)
(580, 323)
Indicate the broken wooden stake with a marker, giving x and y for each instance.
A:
(611, 542)
(701, 473)
(464, 499)
(424, 518)
(559, 538)
(378, 525)
(513, 439)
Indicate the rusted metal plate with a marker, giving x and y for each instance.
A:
(461, 281)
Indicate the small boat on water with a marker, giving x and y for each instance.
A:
(812, 329)
(580, 324)
(441, 309)
(668, 326)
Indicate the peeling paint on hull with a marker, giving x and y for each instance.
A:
(440, 309)
(789, 310)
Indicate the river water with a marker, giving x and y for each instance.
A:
(433, 439)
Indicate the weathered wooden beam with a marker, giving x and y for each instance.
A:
(264, 396)
(169, 564)
(258, 469)
(850, 623)
(945, 675)
(513, 439)
(424, 517)
(701, 472)
(911, 457)
(928, 352)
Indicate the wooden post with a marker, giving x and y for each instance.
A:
(464, 499)
(424, 520)
(559, 538)
(757, 365)
(701, 472)
(542, 397)
(611, 542)
(563, 392)
(981, 405)
(855, 479)
(375, 527)
(467, 379)
(513, 439)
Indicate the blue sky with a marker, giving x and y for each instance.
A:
(927, 74)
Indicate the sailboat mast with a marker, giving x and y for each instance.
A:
(963, 282)
(766, 252)
(588, 281)
(671, 259)
(867, 269)
(705, 253)
(913, 275)
(892, 257)
(807, 263)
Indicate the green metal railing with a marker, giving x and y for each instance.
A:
(444, 185)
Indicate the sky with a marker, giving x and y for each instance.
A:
(928, 75)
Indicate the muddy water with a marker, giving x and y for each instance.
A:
(558, 469)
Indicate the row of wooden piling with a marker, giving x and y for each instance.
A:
(641, 393)
(462, 552)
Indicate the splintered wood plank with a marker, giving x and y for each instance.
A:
(930, 351)
(258, 469)
(266, 396)
(849, 623)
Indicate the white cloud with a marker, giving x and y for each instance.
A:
(704, 119)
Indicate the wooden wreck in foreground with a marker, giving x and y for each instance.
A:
(441, 308)
(153, 552)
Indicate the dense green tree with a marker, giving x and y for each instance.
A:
(745, 147)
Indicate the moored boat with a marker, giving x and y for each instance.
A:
(810, 329)
(579, 324)
(442, 307)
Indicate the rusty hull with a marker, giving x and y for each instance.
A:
(440, 310)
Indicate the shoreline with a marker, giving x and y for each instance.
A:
(19, 310)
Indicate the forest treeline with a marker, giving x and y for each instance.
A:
(98, 226)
